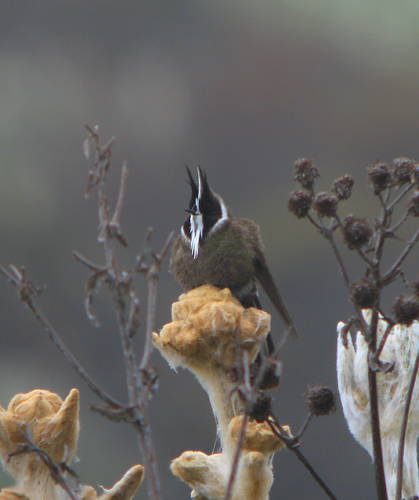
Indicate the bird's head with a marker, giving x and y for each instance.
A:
(207, 213)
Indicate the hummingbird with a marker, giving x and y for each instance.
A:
(218, 249)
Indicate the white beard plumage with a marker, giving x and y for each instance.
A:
(197, 233)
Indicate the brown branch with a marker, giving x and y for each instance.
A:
(236, 458)
(140, 380)
(152, 279)
(390, 208)
(24, 290)
(387, 278)
(380, 479)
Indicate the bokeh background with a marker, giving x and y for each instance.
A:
(243, 89)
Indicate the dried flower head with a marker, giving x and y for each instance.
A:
(306, 173)
(380, 176)
(267, 375)
(403, 170)
(364, 293)
(320, 400)
(208, 326)
(299, 203)
(400, 350)
(259, 436)
(342, 187)
(209, 335)
(406, 309)
(413, 205)
(52, 425)
(325, 204)
(208, 475)
(261, 408)
(356, 232)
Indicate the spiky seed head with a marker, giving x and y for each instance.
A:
(342, 187)
(406, 309)
(320, 400)
(299, 203)
(356, 232)
(261, 408)
(325, 204)
(306, 173)
(364, 293)
(380, 176)
(403, 170)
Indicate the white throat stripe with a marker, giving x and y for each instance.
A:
(197, 232)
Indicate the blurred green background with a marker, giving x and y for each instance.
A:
(243, 89)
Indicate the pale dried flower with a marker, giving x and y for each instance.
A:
(211, 333)
(401, 348)
(53, 426)
(208, 475)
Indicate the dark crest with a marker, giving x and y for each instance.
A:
(194, 189)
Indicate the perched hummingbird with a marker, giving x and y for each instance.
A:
(218, 249)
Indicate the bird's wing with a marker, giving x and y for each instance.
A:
(264, 277)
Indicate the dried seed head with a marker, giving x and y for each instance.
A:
(356, 232)
(325, 204)
(299, 203)
(261, 408)
(406, 309)
(415, 286)
(380, 176)
(403, 170)
(320, 400)
(306, 173)
(413, 205)
(342, 187)
(267, 375)
(364, 293)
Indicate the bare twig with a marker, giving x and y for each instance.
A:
(293, 446)
(25, 290)
(141, 380)
(152, 279)
(387, 278)
(399, 224)
(236, 458)
(375, 417)
(398, 198)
